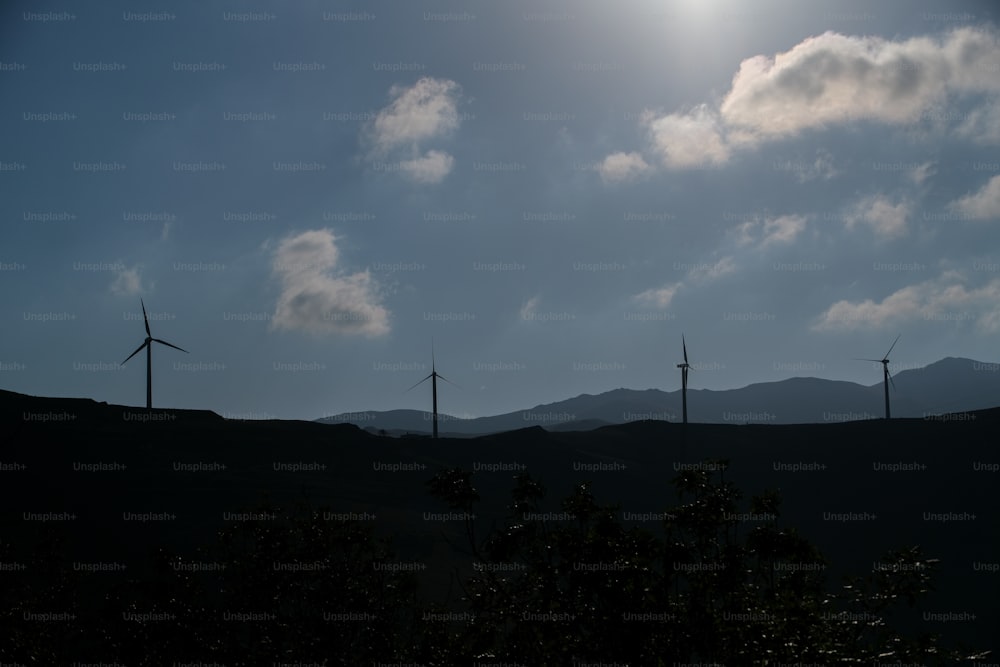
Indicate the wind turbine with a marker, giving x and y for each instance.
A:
(148, 344)
(684, 381)
(433, 377)
(886, 377)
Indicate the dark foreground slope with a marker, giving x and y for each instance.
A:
(119, 482)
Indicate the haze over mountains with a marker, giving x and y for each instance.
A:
(952, 384)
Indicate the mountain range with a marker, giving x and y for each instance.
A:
(952, 384)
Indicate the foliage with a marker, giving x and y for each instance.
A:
(291, 587)
(578, 582)
(591, 589)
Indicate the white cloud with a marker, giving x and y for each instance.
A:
(982, 124)
(529, 308)
(431, 168)
(744, 232)
(782, 229)
(887, 219)
(424, 111)
(697, 274)
(834, 79)
(922, 172)
(659, 297)
(688, 140)
(128, 282)
(306, 254)
(945, 299)
(619, 167)
(315, 300)
(707, 272)
(769, 231)
(822, 167)
(981, 205)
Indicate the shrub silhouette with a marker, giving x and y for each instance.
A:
(44, 586)
(592, 589)
(293, 588)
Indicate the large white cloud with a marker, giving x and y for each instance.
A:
(944, 299)
(833, 79)
(983, 204)
(424, 111)
(316, 300)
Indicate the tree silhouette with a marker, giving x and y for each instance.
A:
(591, 589)
(573, 583)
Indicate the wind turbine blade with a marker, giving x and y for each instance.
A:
(877, 361)
(441, 377)
(432, 354)
(170, 345)
(137, 350)
(891, 381)
(684, 345)
(892, 346)
(421, 382)
(145, 318)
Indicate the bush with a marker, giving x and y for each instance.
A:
(594, 590)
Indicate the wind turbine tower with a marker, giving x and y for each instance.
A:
(433, 377)
(684, 381)
(886, 376)
(148, 344)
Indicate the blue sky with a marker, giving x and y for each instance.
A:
(306, 194)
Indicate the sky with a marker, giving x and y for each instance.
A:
(308, 195)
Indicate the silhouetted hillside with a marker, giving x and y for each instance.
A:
(855, 489)
(949, 385)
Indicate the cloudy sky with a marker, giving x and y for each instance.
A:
(306, 193)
